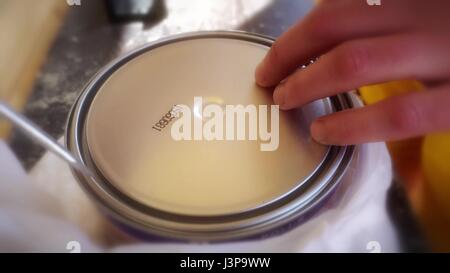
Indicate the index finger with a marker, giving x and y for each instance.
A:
(328, 25)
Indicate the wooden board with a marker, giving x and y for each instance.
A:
(27, 30)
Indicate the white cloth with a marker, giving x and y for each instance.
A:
(46, 210)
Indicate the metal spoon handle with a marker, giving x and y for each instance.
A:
(37, 134)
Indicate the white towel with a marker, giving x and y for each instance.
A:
(46, 210)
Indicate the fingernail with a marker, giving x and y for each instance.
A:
(319, 131)
(279, 94)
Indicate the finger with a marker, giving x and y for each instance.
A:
(396, 118)
(356, 63)
(326, 26)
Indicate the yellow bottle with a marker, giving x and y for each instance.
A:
(424, 164)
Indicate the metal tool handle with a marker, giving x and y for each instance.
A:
(37, 134)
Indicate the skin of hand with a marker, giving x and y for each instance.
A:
(361, 44)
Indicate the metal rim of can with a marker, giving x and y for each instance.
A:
(318, 186)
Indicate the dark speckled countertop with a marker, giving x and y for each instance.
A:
(89, 39)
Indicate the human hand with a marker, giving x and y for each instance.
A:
(359, 45)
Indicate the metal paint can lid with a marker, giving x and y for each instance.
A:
(204, 187)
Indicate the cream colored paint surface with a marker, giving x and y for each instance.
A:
(200, 178)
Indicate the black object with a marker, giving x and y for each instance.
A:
(132, 10)
(409, 231)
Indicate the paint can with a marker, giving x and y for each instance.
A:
(121, 126)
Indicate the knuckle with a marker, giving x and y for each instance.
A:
(352, 61)
(319, 25)
(407, 116)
